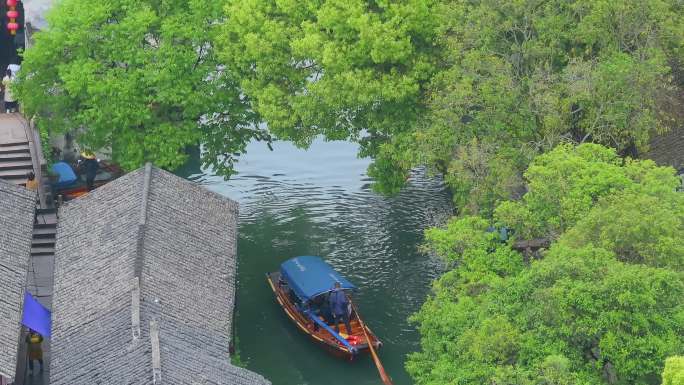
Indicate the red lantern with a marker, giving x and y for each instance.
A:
(12, 14)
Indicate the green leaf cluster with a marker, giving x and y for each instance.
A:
(138, 78)
(603, 305)
(674, 371)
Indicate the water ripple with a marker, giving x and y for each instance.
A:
(319, 202)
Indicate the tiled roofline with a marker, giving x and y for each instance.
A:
(19, 191)
(147, 176)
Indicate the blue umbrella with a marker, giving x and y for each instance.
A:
(36, 316)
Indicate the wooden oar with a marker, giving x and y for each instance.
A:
(383, 375)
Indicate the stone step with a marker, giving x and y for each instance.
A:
(47, 211)
(14, 148)
(44, 226)
(45, 242)
(15, 156)
(15, 164)
(49, 219)
(15, 143)
(13, 174)
(42, 250)
(15, 179)
(44, 232)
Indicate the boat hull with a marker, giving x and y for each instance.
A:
(320, 335)
(78, 190)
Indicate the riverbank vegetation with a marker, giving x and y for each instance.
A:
(472, 89)
(140, 79)
(604, 304)
(531, 111)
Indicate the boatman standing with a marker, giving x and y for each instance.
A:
(339, 307)
(89, 164)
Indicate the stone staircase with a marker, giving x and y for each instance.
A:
(19, 155)
(15, 162)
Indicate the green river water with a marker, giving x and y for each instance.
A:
(318, 202)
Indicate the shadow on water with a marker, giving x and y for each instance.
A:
(318, 202)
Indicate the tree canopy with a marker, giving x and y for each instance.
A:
(472, 89)
(344, 69)
(521, 76)
(603, 305)
(139, 78)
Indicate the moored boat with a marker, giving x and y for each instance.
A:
(301, 287)
(70, 186)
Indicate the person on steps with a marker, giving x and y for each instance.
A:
(339, 305)
(35, 349)
(33, 185)
(31, 182)
(10, 100)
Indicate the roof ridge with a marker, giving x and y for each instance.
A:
(142, 221)
(147, 176)
(201, 186)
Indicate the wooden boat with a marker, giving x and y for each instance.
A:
(76, 187)
(301, 287)
(78, 190)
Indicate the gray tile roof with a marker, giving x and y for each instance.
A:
(144, 285)
(17, 205)
(668, 149)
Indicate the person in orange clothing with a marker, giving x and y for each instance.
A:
(31, 182)
(35, 349)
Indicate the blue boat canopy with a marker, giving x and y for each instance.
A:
(311, 276)
(66, 174)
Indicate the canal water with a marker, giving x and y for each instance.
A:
(319, 202)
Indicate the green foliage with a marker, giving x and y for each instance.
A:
(565, 184)
(458, 237)
(605, 304)
(654, 239)
(526, 75)
(480, 175)
(674, 371)
(341, 68)
(574, 314)
(138, 78)
(45, 144)
(472, 89)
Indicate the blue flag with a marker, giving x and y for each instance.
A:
(36, 316)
